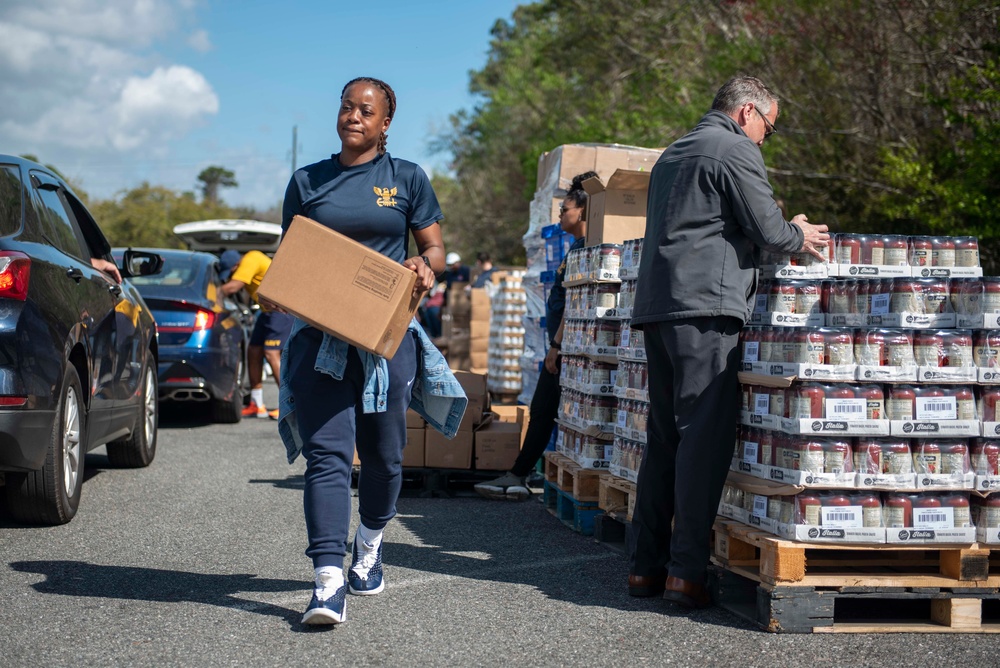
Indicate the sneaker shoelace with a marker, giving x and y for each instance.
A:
(368, 557)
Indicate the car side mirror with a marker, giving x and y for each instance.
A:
(140, 263)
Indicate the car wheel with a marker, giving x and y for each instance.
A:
(230, 411)
(139, 448)
(52, 495)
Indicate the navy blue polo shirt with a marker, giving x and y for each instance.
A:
(375, 203)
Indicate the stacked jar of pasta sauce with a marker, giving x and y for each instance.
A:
(869, 395)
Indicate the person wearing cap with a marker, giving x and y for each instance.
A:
(456, 272)
(269, 332)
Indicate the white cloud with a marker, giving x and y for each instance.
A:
(200, 42)
(84, 75)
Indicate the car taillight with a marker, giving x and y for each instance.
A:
(203, 320)
(15, 272)
(13, 400)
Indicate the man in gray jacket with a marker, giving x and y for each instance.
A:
(709, 212)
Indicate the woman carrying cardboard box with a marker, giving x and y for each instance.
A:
(335, 396)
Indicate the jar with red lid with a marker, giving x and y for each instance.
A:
(960, 504)
(848, 248)
(871, 508)
(874, 400)
(906, 296)
(606, 333)
(966, 252)
(606, 295)
(991, 294)
(928, 348)
(811, 456)
(985, 457)
(869, 347)
(921, 501)
(807, 508)
(920, 251)
(779, 454)
(897, 457)
(899, 349)
(781, 298)
(834, 499)
(955, 458)
(989, 513)
(965, 402)
(986, 348)
(957, 344)
(901, 403)
(778, 401)
(836, 391)
(930, 392)
(898, 511)
(809, 346)
(808, 401)
(862, 304)
(837, 457)
(935, 294)
(766, 447)
(838, 346)
(609, 258)
(868, 456)
(967, 295)
(872, 250)
(767, 337)
(942, 252)
(896, 250)
(927, 457)
(843, 296)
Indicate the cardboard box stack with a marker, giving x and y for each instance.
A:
(506, 333)
(869, 396)
(546, 245)
(465, 326)
(456, 453)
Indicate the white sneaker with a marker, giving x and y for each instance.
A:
(507, 487)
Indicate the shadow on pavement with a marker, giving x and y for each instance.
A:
(77, 578)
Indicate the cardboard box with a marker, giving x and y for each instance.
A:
(513, 415)
(321, 276)
(497, 446)
(440, 453)
(479, 360)
(480, 304)
(617, 211)
(479, 329)
(564, 162)
(459, 362)
(413, 419)
(474, 385)
(413, 453)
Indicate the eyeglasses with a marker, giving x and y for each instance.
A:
(769, 128)
(563, 209)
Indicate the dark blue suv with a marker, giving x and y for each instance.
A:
(77, 348)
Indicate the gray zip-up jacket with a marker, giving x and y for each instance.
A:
(710, 210)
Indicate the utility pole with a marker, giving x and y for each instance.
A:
(295, 144)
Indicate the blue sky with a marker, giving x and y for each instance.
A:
(115, 92)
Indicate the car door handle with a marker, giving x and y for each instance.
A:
(74, 273)
(115, 289)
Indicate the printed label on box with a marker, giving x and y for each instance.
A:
(845, 409)
(841, 517)
(936, 408)
(376, 279)
(933, 518)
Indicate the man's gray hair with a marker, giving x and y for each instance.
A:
(742, 89)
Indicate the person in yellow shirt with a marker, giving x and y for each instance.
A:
(269, 332)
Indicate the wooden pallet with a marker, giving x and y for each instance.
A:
(764, 558)
(577, 515)
(857, 609)
(616, 496)
(565, 474)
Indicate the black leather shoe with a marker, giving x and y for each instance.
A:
(686, 593)
(644, 586)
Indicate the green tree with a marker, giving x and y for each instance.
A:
(214, 177)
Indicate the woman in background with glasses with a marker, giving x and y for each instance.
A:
(545, 402)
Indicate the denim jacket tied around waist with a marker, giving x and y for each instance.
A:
(437, 395)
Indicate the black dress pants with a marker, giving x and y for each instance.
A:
(690, 438)
(542, 418)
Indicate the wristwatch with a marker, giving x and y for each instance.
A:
(426, 260)
(557, 346)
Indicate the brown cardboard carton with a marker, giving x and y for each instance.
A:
(326, 279)
(643, 159)
(479, 329)
(413, 419)
(479, 360)
(609, 159)
(513, 415)
(480, 304)
(460, 362)
(441, 453)
(474, 385)
(617, 211)
(478, 346)
(497, 446)
(413, 453)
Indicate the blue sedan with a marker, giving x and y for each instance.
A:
(202, 334)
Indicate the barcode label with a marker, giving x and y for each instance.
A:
(880, 304)
(759, 505)
(762, 404)
(846, 408)
(937, 408)
(622, 418)
(750, 450)
(761, 305)
(841, 516)
(751, 351)
(933, 518)
(626, 332)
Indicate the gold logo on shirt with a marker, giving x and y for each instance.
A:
(385, 196)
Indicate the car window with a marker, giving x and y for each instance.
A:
(10, 199)
(93, 239)
(58, 223)
(178, 271)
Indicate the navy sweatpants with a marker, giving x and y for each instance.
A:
(331, 421)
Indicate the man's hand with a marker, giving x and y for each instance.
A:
(425, 275)
(814, 237)
(552, 361)
(268, 305)
(108, 268)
